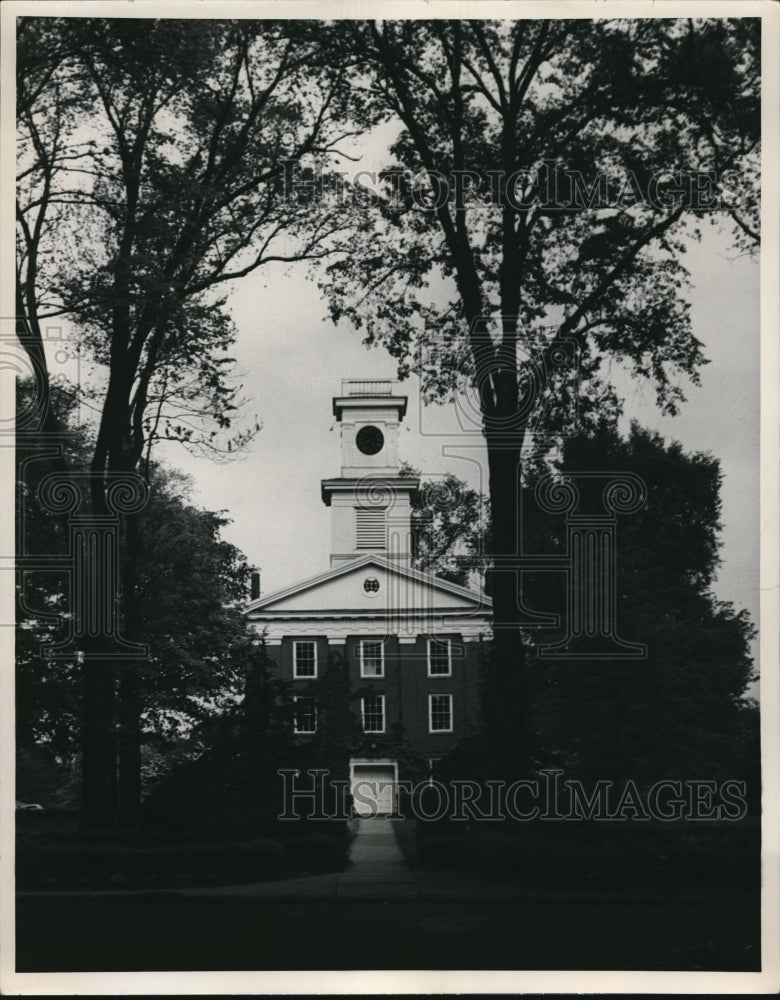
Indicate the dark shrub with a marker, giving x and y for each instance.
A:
(665, 860)
(215, 798)
(307, 828)
(441, 852)
(99, 865)
(318, 852)
(114, 838)
(493, 850)
(430, 801)
(250, 860)
(233, 789)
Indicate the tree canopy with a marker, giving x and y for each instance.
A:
(151, 166)
(519, 210)
(449, 525)
(192, 587)
(680, 711)
(151, 160)
(685, 709)
(533, 222)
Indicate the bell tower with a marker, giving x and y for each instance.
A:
(370, 501)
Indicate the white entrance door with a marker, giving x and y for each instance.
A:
(373, 789)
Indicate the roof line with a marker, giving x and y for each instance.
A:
(428, 579)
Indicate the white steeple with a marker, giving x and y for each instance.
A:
(370, 501)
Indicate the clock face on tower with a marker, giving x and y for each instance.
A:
(370, 440)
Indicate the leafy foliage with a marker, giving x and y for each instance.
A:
(449, 529)
(191, 588)
(151, 168)
(151, 155)
(339, 733)
(231, 787)
(461, 292)
(517, 223)
(682, 712)
(191, 591)
(48, 703)
(338, 729)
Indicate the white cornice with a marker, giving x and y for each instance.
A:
(365, 614)
(339, 629)
(349, 485)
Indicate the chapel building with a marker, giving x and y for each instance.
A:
(410, 639)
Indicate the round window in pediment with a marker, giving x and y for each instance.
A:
(371, 585)
(370, 440)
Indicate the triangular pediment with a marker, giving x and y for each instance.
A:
(392, 587)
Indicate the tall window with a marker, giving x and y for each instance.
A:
(305, 717)
(440, 713)
(439, 657)
(305, 658)
(373, 711)
(372, 658)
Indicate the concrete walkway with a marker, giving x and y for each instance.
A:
(377, 868)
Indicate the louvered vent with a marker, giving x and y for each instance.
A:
(371, 527)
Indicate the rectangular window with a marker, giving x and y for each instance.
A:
(440, 713)
(373, 711)
(370, 528)
(439, 657)
(305, 720)
(305, 658)
(372, 658)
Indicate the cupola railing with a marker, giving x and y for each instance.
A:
(367, 387)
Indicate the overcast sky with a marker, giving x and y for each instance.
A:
(295, 359)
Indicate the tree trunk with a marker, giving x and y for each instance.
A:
(130, 690)
(99, 723)
(130, 706)
(98, 746)
(506, 708)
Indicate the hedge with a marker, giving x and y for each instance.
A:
(319, 852)
(41, 865)
(149, 858)
(685, 866)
